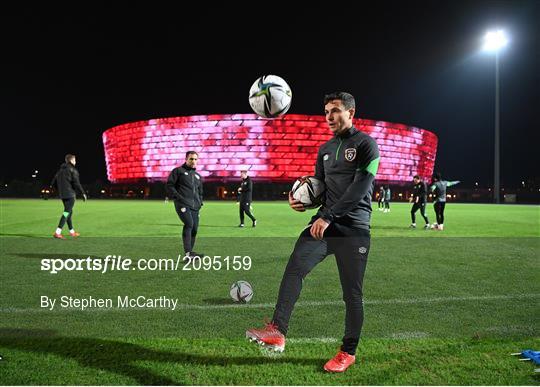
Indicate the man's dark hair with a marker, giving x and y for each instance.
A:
(244, 171)
(416, 177)
(437, 176)
(189, 153)
(69, 157)
(346, 99)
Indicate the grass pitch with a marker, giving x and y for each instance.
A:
(440, 307)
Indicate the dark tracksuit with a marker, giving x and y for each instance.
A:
(348, 165)
(439, 189)
(387, 198)
(185, 187)
(67, 183)
(419, 201)
(245, 198)
(381, 197)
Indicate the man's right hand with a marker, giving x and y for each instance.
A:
(295, 204)
(84, 197)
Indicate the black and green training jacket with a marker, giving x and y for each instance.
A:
(347, 164)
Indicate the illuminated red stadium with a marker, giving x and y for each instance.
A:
(272, 150)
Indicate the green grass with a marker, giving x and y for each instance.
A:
(440, 307)
(218, 219)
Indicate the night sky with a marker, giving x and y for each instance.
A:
(68, 74)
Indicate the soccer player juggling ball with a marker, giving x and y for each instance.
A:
(347, 163)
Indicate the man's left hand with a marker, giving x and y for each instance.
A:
(318, 227)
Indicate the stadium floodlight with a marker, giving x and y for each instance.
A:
(494, 41)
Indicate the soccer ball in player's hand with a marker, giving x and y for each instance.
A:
(270, 96)
(309, 191)
(241, 291)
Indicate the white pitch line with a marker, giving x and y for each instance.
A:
(394, 301)
(409, 335)
(312, 340)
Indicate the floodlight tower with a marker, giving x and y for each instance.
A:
(494, 41)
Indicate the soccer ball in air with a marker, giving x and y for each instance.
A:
(309, 191)
(270, 96)
(241, 291)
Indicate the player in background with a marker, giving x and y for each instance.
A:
(245, 197)
(185, 187)
(387, 198)
(347, 164)
(419, 200)
(438, 187)
(67, 183)
(380, 200)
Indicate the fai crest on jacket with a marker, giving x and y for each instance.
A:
(350, 154)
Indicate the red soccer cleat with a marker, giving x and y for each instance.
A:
(74, 234)
(268, 337)
(340, 362)
(58, 236)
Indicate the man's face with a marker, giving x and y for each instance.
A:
(243, 174)
(416, 181)
(338, 118)
(73, 161)
(191, 160)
